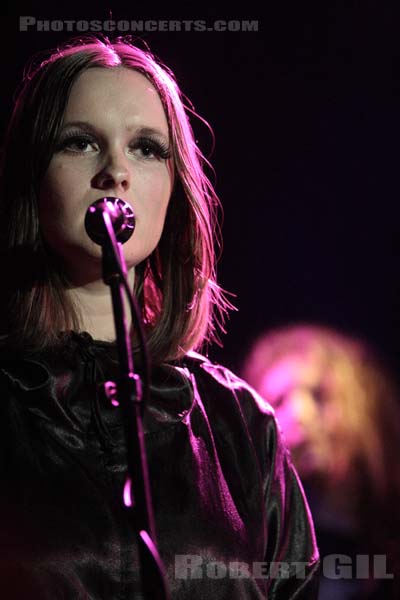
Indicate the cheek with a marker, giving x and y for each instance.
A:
(58, 203)
(66, 180)
(52, 191)
(292, 430)
(154, 182)
(51, 207)
(153, 199)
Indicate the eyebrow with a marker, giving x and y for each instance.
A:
(89, 128)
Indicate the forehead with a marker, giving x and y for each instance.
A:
(290, 372)
(118, 94)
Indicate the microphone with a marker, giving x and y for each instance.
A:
(121, 215)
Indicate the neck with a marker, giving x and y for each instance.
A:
(93, 300)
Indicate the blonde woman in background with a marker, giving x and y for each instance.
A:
(339, 409)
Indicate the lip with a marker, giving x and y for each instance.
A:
(116, 196)
(97, 198)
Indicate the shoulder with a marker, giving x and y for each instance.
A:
(216, 376)
(243, 421)
(223, 392)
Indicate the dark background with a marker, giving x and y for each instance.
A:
(306, 118)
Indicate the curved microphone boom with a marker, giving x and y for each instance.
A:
(121, 215)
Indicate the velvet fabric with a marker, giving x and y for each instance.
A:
(228, 503)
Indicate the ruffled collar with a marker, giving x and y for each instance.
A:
(90, 362)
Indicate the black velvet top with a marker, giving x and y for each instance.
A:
(226, 498)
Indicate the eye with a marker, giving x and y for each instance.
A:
(150, 149)
(319, 394)
(279, 400)
(81, 144)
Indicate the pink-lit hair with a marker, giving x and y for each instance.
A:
(366, 441)
(176, 286)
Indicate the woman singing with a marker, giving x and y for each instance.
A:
(96, 119)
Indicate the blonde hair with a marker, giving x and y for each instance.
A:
(364, 392)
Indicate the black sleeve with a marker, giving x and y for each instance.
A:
(292, 556)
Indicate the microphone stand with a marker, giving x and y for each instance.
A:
(129, 396)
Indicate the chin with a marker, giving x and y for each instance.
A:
(133, 258)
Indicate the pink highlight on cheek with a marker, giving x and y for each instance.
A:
(277, 381)
(293, 431)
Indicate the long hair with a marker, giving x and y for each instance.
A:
(176, 286)
(365, 444)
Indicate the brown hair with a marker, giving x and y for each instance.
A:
(181, 302)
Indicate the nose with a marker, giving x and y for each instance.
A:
(114, 174)
(304, 407)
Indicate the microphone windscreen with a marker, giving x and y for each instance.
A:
(121, 215)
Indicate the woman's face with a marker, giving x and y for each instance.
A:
(114, 141)
(295, 388)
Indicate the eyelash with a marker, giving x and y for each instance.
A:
(156, 148)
